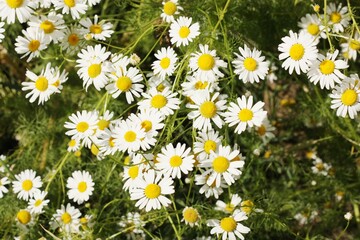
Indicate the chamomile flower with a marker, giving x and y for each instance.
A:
(2, 30)
(133, 172)
(51, 25)
(154, 81)
(41, 86)
(182, 32)
(80, 186)
(104, 121)
(346, 97)
(230, 227)
(230, 206)
(133, 224)
(166, 63)
(150, 191)
(98, 30)
(150, 120)
(126, 81)
(298, 50)
(265, 130)
(193, 86)
(170, 9)
(60, 76)
(191, 216)
(106, 141)
(3, 181)
(321, 168)
(208, 190)
(31, 44)
(244, 114)
(26, 184)
(119, 62)
(325, 70)
(73, 145)
(94, 66)
(163, 101)
(207, 109)
(67, 218)
(351, 47)
(311, 24)
(38, 202)
(206, 141)
(74, 7)
(22, 10)
(339, 17)
(73, 39)
(129, 136)
(250, 65)
(205, 64)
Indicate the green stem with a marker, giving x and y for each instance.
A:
(61, 164)
(178, 236)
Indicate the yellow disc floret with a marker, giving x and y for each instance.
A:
(158, 101)
(47, 26)
(206, 62)
(175, 161)
(123, 83)
(208, 109)
(94, 70)
(245, 115)
(170, 8)
(228, 224)
(220, 164)
(297, 51)
(23, 216)
(41, 84)
(250, 64)
(152, 191)
(349, 97)
(327, 67)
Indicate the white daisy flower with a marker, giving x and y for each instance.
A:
(38, 202)
(298, 50)
(104, 121)
(134, 59)
(311, 24)
(265, 130)
(182, 32)
(98, 30)
(320, 167)
(74, 7)
(106, 141)
(129, 136)
(222, 165)
(93, 66)
(230, 206)
(51, 25)
(229, 227)
(31, 44)
(3, 181)
(73, 145)
(166, 63)
(150, 120)
(60, 76)
(191, 216)
(26, 184)
(325, 70)
(154, 81)
(205, 64)
(172, 161)
(208, 190)
(193, 86)
(67, 218)
(170, 9)
(2, 30)
(119, 62)
(351, 47)
(346, 97)
(245, 114)
(133, 172)
(206, 141)
(339, 17)
(73, 40)
(21, 9)
(150, 191)
(250, 65)
(80, 186)
(165, 101)
(41, 86)
(207, 109)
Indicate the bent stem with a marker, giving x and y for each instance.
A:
(178, 236)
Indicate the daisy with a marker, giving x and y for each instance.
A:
(2, 30)
(165, 101)
(82, 126)
(134, 59)
(93, 66)
(67, 218)
(346, 97)
(298, 50)
(73, 145)
(191, 216)
(73, 39)
(126, 81)
(150, 120)
(41, 86)
(230, 227)
(325, 69)
(98, 30)
(80, 186)
(173, 161)
(247, 206)
(31, 44)
(3, 181)
(222, 165)
(339, 17)
(182, 32)
(133, 224)
(154, 81)
(106, 141)
(320, 167)
(265, 130)
(207, 109)
(250, 65)
(22, 10)
(104, 121)
(119, 62)
(351, 47)
(38, 202)
(193, 86)
(208, 190)
(205, 64)
(133, 172)
(170, 9)
(166, 63)
(245, 114)
(311, 24)
(26, 184)
(60, 76)
(150, 191)
(74, 7)
(206, 141)
(128, 136)
(228, 207)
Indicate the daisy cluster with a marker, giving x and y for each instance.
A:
(300, 54)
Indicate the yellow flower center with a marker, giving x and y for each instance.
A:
(102, 124)
(165, 63)
(111, 142)
(175, 161)
(158, 101)
(327, 67)
(82, 186)
(96, 29)
(82, 126)
(313, 29)
(47, 26)
(94, 149)
(349, 97)
(83, 220)
(69, 3)
(152, 191)
(160, 87)
(133, 172)
(146, 125)
(335, 17)
(228, 224)
(355, 45)
(245, 115)
(127, 160)
(124, 83)
(33, 45)
(208, 109)
(77, 153)
(229, 208)
(209, 145)
(130, 136)
(38, 202)
(247, 206)
(73, 39)
(23, 216)
(14, 3)
(41, 84)
(250, 64)
(206, 62)
(184, 32)
(170, 8)
(201, 85)
(27, 185)
(66, 218)
(220, 164)
(94, 70)
(261, 130)
(56, 83)
(297, 51)
(320, 166)
(191, 215)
